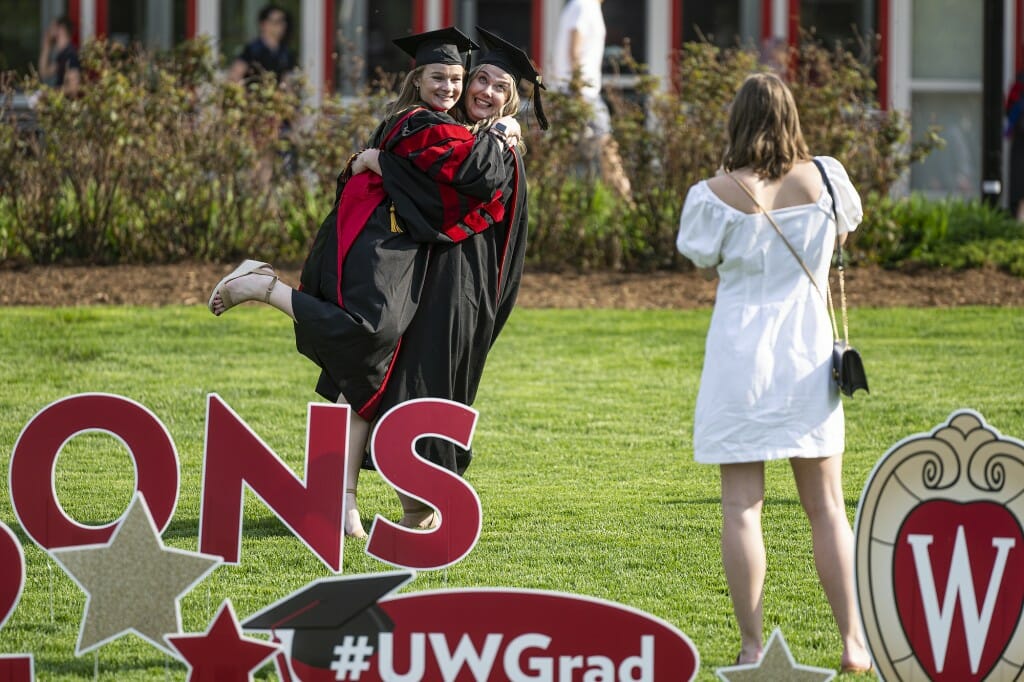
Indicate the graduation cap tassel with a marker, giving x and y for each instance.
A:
(538, 109)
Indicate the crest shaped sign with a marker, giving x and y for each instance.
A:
(940, 555)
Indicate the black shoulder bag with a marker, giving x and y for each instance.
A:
(847, 366)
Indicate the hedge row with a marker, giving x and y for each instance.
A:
(161, 160)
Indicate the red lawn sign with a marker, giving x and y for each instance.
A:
(480, 634)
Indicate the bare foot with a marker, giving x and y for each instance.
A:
(353, 524)
(856, 664)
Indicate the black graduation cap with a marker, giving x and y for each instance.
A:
(514, 60)
(443, 46)
(326, 610)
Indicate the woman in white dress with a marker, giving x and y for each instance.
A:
(766, 391)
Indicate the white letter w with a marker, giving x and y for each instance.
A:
(959, 584)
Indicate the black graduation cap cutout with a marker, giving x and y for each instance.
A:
(514, 60)
(443, 46)
(322, 613)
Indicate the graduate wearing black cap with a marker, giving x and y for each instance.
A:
(438, 69)
(471, 287)
(362, 284)
(515, 62)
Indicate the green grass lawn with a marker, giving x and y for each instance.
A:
(584, 463)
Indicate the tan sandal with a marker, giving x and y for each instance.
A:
(249, 267)
(429, 523)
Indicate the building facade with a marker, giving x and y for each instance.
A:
(931, 51)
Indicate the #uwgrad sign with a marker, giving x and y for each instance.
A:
(939, 560)
(343, 628)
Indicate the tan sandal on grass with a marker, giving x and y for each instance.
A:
(249, 267)
(411, 518)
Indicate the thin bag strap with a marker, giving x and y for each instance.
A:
(839, 250)
(766, 214)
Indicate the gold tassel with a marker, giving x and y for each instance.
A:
(394, 222)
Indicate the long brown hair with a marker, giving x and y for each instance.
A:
(764, 128)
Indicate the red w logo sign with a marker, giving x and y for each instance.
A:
(940, 555)
(959, 590)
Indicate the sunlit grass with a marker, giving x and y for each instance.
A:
(583, 460)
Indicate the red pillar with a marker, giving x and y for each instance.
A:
(190, 19)
(75, 15)
(883, 53)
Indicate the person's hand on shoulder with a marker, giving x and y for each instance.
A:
(510, 128)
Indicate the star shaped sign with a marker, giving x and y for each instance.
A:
(776, 664)
(132, 583)
(222, 654)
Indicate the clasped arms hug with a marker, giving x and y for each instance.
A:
(413, 274)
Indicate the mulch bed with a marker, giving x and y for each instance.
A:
(190, 283)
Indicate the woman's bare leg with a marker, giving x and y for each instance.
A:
(743, 554)
(819, 483)
(358, 432)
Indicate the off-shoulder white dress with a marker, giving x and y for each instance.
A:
(766, 390)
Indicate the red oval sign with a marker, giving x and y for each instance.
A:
(491, 634)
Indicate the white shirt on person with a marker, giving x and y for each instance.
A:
(585, 17)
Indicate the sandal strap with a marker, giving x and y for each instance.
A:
(270, 288)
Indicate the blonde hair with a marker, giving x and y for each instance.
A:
(510, 108)
(764, 128)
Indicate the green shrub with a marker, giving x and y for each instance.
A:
(160, 160)
(952, 233)
(671, 139)
(157, 161)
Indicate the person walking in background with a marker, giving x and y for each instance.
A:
(59, 66)
(576, 62)
(268, 52)
(765, 226)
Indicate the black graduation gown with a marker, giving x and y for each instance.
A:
(362, 282)
(469, 291)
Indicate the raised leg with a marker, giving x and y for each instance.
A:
(252, 281)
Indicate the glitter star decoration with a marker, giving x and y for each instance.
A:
(132, 583)
(776, 664)
(222, 654)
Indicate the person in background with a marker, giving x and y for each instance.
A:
(1015, 131)
(268, 52)
(579, 51)
(59, 66)
(764, 225)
